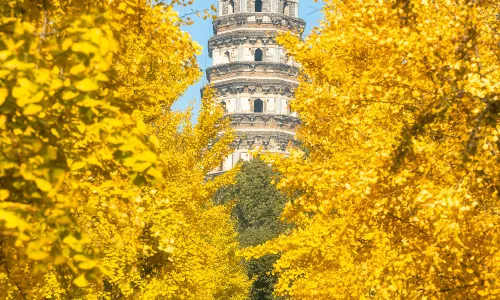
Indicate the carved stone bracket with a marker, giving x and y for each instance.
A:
(251, 89)
(284, 122)
(270, 140)
(235, 121)
(234, 39)
(240, 20)
(251, 86)
(251, 66)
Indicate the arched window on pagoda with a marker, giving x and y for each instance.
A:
(230, 7)
(224, 107)
(258, 106)
(259, 55)
(258, 5)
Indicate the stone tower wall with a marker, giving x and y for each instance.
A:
(253, 77)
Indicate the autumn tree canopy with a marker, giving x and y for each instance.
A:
(400, 191)
(103, 190)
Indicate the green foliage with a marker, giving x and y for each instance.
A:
(257, 210)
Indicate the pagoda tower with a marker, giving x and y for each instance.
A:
(253, 77)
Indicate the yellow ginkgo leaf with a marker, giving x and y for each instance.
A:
(43, 185)
(154, 173)
(29, 27)
(148, 156)
(37, 255)
(4, 195)
(78, 165)
(67, 43)
(75, 70)
(87, 265)
(68, 95)
(32, 109)
(84, 47)
(73, 243)
(54, 132)
(81, 127)
(86, 85)
(80, 258)
(3, 95)
(81, 281)
(32, 99)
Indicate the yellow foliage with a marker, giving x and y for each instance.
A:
(399, 194)
(103, 189)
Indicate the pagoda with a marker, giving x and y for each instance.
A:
(253, 77)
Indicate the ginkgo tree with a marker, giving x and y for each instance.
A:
(399, 195)
(103, 190)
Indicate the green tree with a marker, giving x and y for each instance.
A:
(257, 210)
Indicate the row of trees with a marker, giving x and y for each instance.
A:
(399, 195)
(102, 186)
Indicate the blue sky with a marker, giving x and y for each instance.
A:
(201, 31)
